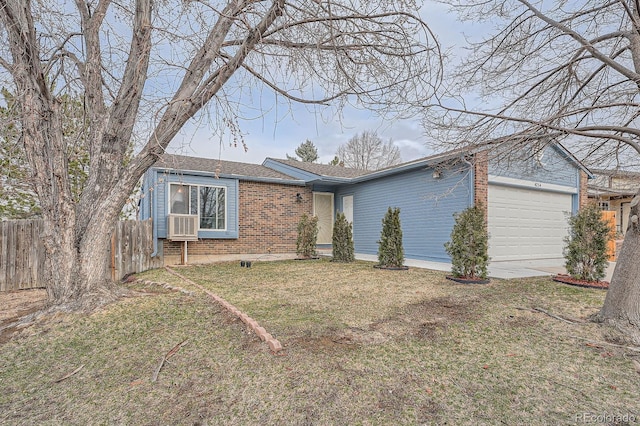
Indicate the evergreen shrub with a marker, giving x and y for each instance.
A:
(343, 250)
(469, 244)
(586, 250)
(390, 250)
(307, 236)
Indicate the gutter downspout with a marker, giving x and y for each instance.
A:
(472, 186)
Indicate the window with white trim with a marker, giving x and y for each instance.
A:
(207, 202)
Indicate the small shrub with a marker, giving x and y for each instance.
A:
(307, 236)
(586, 251)
(343, 250)
(390, 250)
(469, 244)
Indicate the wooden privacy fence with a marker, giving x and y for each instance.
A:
(131, 249)
(22, 253)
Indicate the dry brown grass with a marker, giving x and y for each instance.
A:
(361, 346)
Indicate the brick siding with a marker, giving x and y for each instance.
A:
(583, 198)
(268, 218)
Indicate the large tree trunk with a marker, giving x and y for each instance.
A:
(77, 273)
(621, 308)
(78, 259)
(111, 78)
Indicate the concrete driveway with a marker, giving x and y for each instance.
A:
(504, 269)
(534, 268)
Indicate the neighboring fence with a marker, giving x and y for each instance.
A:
(22, 253)
(610, 218)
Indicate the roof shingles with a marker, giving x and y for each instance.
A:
(220, 167)
(324, 169)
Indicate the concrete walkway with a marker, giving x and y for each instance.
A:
(535, 268)
(503, 269)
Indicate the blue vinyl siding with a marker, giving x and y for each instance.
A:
(426, 209)
(322, 188)
(554, 168)
(161, 202)
(145, 200)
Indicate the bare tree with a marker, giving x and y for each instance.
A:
(144, 68)
(567, 71)
(366, 151)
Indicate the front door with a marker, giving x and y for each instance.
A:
(323, 209)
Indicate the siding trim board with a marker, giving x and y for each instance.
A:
(521, 183)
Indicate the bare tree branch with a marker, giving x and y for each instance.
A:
(556, 71)
(145, 68)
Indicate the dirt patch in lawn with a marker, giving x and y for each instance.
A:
(17, 304)
(427, 319)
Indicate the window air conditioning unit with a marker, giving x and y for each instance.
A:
(182, 227)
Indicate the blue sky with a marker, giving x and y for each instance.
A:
(277, 133)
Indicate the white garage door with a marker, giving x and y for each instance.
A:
(526, 223)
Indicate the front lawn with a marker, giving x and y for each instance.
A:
(361, 346)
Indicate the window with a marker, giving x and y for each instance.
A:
(207, 202)
(212, 207)
(347, 207)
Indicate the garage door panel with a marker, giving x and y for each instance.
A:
(526, 223)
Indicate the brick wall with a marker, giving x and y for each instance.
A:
(583, 198)
(481, 181)
(268, 217)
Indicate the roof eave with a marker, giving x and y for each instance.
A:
(418, 164)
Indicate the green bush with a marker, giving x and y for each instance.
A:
(343, 250)
(307, 236)
(469, 244)
(390, 250)
(586, 251)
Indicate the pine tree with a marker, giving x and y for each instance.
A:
(336, 162)
(305, 152)
(17, 195)
(469, 244)
(586, 250)
(307, 236)
(343, 250)
(390, 250)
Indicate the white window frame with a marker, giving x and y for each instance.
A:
(343, 209)
(198, 186)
